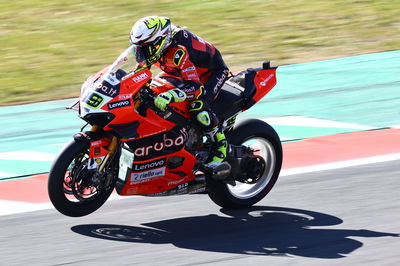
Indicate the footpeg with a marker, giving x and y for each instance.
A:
(220, 171)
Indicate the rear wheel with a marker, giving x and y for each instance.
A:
(261, 170)
(73, 189)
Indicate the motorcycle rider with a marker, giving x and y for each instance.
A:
(198, 63)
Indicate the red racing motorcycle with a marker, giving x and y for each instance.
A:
(140, 150)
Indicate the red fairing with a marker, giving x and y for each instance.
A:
(264, 81)
(160, 161)
(149, 125)
(154, 176)
(97, 148)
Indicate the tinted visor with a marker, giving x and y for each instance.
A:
(138, 51)
(144, 52)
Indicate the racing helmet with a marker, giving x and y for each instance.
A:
(150, 36)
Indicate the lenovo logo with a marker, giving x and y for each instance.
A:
(119, 104)
(149, 165)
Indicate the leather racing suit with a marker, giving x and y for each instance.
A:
(200, 65)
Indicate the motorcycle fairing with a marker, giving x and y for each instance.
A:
(97, 152)
(243, 90)
(158, 175)
(264, 81)
(160, 161)
(159, 144)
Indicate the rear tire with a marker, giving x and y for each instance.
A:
(62, 195)
(245, 195)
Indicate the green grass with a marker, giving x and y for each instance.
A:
(48, 48)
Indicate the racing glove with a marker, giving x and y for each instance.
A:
(171, 96)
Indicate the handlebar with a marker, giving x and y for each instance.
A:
(147, 96)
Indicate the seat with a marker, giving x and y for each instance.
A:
(235, 95)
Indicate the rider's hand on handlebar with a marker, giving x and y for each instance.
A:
(165, 98)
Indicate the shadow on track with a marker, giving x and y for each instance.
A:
(255, 231)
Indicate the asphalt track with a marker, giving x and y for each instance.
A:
(346, 216)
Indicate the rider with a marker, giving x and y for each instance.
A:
(181, 53)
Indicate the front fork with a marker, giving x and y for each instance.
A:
(97, 149)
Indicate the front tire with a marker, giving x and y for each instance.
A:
(262, 137)
(70, 186)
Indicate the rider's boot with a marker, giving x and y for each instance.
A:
(217, 164)
(219, 147)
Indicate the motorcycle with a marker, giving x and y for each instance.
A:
(137, 149)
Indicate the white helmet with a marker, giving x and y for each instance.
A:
(151, 36)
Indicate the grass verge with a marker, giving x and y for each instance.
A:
(48, 48)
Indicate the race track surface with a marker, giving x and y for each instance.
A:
(345, 216)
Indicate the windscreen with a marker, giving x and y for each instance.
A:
(131, 60)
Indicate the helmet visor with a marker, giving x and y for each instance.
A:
(149, 53)
(138, 51)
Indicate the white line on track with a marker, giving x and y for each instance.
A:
(305, 121)
(14, 207)
(342, 164)
(3, 175)
(27, 156)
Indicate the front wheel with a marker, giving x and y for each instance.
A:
(262, 172)
(73, 189)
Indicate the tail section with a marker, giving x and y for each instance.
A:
(259, 81)
(243, 90)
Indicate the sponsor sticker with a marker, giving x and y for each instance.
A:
(142, 177)
(182, 188)
(165, 143)
(104, 87)
(119, 104)
(189, 89)
(188, 69)
(149, 165)
(140, 77)
(264, 82)
(192, 77)
(93, 163)
(123, 96)
(170, 183)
